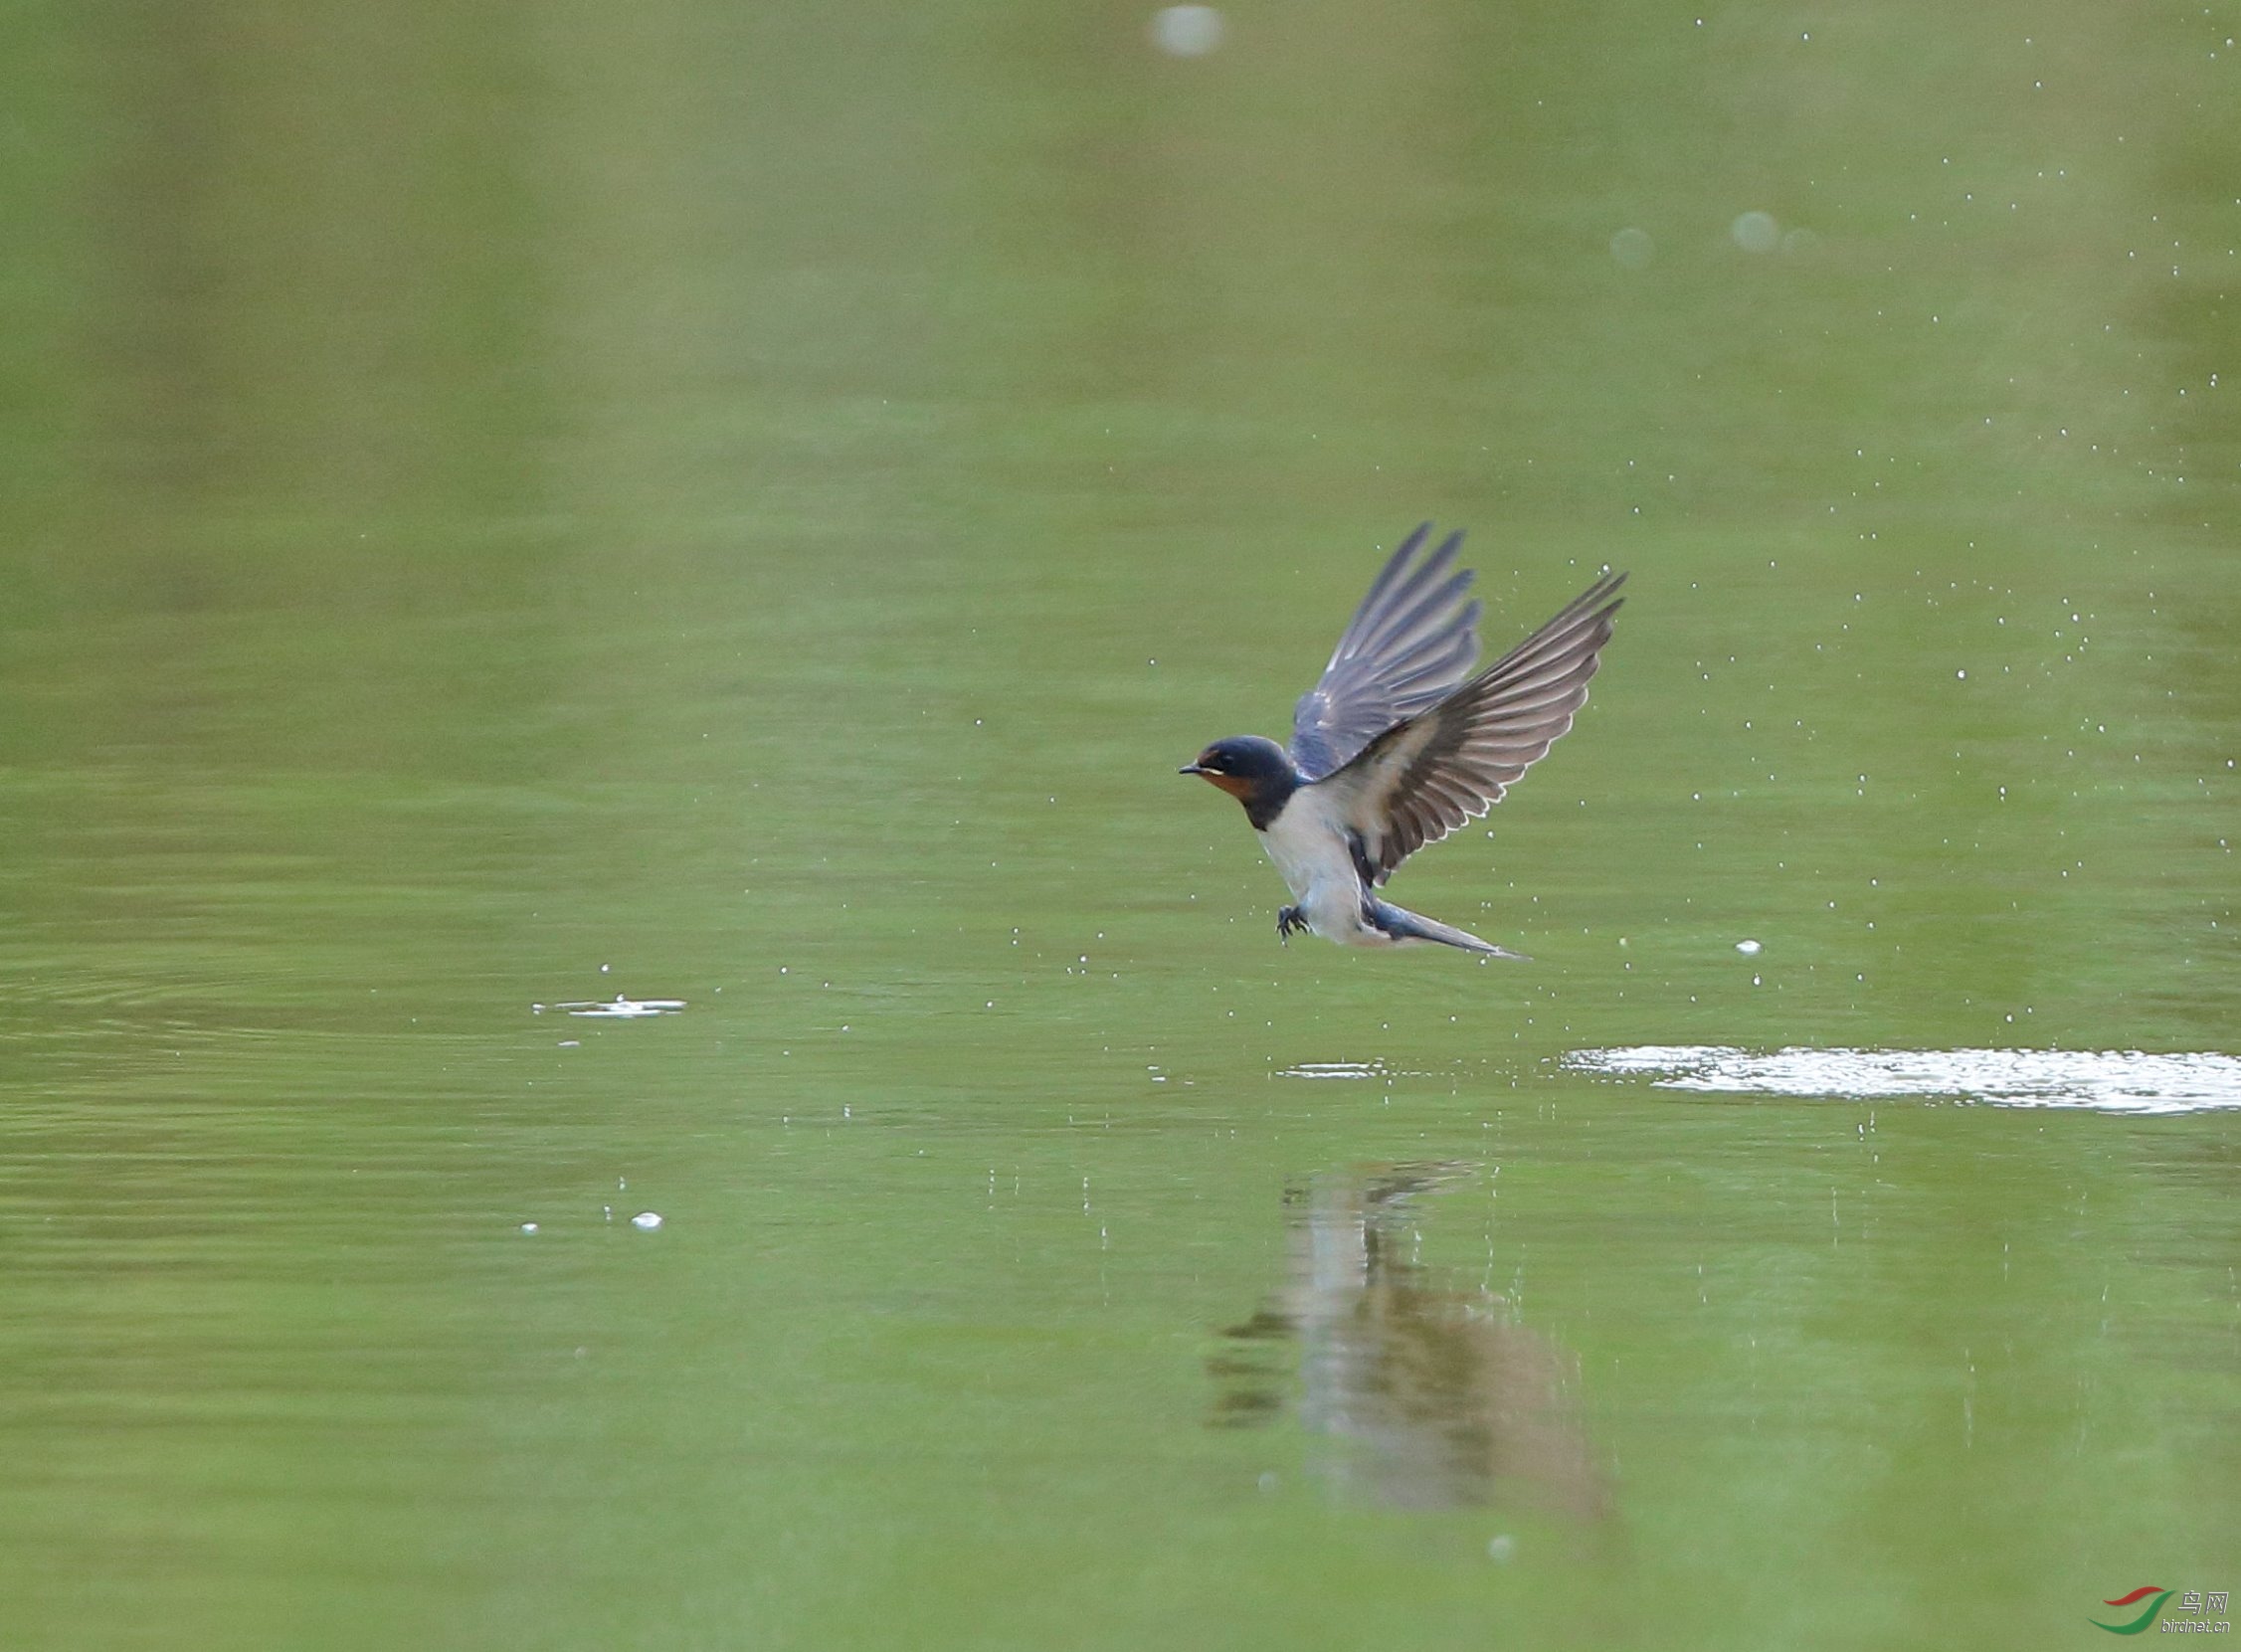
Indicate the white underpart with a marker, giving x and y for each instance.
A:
(1308, 845)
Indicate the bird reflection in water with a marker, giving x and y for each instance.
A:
(1438, 1397)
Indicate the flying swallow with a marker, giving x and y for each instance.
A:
(1395, 747)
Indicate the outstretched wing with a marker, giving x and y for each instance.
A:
(1410, 642)
(1421, 779)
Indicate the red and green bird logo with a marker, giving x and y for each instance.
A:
(2138, 1624)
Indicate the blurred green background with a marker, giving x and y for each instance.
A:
(523, 503)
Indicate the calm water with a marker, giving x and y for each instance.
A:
(517, 506)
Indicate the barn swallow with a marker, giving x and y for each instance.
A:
(1394, 747)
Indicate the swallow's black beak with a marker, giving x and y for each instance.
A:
(1189, 769)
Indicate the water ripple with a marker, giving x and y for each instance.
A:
(1335, 1069)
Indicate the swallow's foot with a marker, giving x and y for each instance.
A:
(1288, 920)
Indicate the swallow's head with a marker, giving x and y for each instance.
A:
(1247, 767)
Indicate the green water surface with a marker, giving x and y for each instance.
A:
(515, 505)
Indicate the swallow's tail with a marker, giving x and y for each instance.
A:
(1404, 925)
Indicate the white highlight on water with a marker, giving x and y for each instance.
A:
(1187, 31)
(617, 1008)
(1756, 232)
(2108, 1081)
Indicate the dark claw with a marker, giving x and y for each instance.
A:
(1287, 920)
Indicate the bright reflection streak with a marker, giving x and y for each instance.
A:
(2109, 1081)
